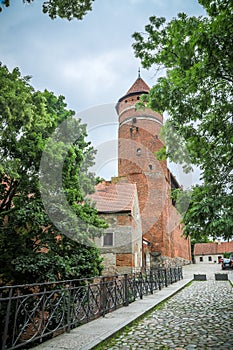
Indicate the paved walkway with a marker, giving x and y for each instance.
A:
(199, 317)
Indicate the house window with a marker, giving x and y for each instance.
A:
(210, 258)
(201, 258)
(108, 239)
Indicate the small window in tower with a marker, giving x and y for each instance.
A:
(126, 101)
(139, 151)
(138, 98)
(150, 166)
(134, 120)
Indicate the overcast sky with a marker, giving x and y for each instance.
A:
(90, 62)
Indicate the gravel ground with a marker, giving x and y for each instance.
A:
(198, 317)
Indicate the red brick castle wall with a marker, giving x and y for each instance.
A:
(138, 140)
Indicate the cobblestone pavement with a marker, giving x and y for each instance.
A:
(198, 317)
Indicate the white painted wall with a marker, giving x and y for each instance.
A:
(207, 259)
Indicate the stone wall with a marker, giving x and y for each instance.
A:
(126, 253)
(166, 261)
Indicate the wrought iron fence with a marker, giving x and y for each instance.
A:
(33, 313)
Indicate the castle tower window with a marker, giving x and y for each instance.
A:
(139, 151)
(150, 166)
(134, 120)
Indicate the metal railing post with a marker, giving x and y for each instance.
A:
(175, 274)
(115, 293)
(140, 285)
(103, 297)
(126, 291)
(7, 321)
(165, 276)
(151, 282)
(68, 309)
(181, 272)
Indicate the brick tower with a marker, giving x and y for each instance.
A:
(138, 140)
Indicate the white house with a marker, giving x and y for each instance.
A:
(211, 252)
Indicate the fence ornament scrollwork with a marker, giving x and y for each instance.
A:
(30, 314)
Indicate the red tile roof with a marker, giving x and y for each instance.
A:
(138, 86)
(115, 197)
(213, 248)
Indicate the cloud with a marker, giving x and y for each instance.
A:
(90, 62)
(94, 70)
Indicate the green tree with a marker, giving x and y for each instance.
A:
(34, 248)
(69, 9)
(196, 91)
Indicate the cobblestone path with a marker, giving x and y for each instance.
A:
(198, 317)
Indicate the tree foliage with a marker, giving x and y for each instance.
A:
(196, 53)
(33, 248)
(69, 9)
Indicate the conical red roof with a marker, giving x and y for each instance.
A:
(138, 86)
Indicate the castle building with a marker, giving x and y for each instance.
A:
(162, 242)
